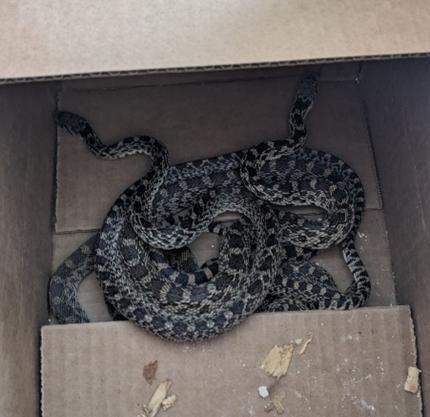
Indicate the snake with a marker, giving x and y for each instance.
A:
(148, 274)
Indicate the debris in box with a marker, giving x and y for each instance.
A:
(304, 345)
(412, 382)
(157, 399)
(263, 392)
(278, 360)
(168, 402)
(149, 371)
(276, 364)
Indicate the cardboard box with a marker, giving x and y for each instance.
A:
(207, 78)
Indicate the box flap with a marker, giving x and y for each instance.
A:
(53, 39)
(355, 365)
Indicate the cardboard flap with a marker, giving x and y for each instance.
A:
(52, 39)
(355, 365)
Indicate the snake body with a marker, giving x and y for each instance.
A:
(264, 258)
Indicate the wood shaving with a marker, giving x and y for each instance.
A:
(149, 371)
(157, 398)
(278, 360)
(412, 382)
(168, 402)
(304, 345)
(277, 395)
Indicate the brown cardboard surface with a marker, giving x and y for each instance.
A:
(196, 121)
(371, 243)
(27, 148)
(46, 38)
(397, 97)
(355, 365)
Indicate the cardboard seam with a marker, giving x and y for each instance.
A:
(57, 160)
(316, 72)
(56, 185)
(186, 83)
(222, 67)
(374, 166)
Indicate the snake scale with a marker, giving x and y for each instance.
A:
(264, 264)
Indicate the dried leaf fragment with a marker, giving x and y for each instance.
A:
(304, 345)
(149, 371)
(157, 398)
(278, 360)
(412, 382)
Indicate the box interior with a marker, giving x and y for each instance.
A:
(55, 193)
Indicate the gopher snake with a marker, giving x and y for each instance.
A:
(148, 275)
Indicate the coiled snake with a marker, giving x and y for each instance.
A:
(149, 276)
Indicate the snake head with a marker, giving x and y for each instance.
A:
(308, 88)
(71, 122)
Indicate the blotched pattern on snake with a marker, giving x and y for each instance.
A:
(149, 276)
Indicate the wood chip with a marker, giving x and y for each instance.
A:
(157, 398)
(277, 395)
(304, 345)
(278, 360)
(168, 402)
(412, 383)
(149, 371)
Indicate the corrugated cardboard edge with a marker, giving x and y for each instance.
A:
(370, 142)
(414, 343)
(130, 73)
(41, 372)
